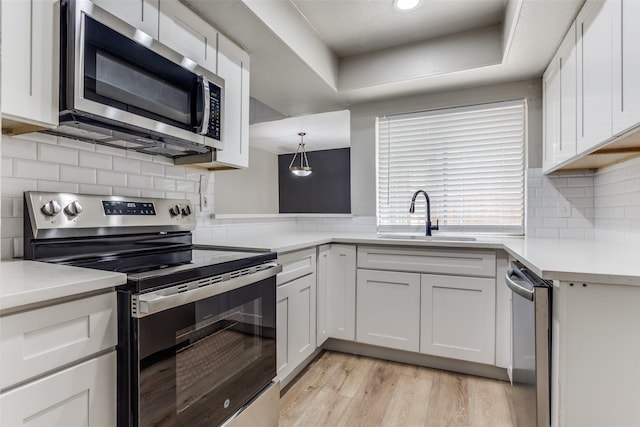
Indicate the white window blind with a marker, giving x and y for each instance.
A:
(470, 160)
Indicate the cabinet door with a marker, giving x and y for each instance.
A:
(233, 67)
(322, 327)
(141, 14)
(388, 309)
(568, 75)
(82, 395)
(341, 287)
(458, 317)
(186, 33)
(30, 58)
(626, 65)
(296, 323)
(594, 46)
(551, 113)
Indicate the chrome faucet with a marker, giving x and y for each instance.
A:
(412, 209)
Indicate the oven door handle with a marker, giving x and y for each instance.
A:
(146, 304)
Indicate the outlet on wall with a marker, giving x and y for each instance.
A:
(564, 209)
(205, 203)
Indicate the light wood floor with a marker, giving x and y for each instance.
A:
(338, 389)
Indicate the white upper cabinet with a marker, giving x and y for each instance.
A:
(30, 52)
(560, 103)
(594, 54)
(233, 67)
(568, 74)
(141, 14)
(551, 113)
(626, 65)
(186, 33)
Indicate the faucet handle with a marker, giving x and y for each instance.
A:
(435, 227)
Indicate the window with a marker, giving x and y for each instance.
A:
(470, 160)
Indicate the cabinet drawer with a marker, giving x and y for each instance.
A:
(82, 395)
(296, 264)
(465, 262)
(37, 341)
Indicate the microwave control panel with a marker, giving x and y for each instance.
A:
(215, 94)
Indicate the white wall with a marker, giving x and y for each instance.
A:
(248, 191)
(38, 162)
(363, 166)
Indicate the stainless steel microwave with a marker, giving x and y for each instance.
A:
(121, 87)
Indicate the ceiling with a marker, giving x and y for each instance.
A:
(315, 56)
(324, 131)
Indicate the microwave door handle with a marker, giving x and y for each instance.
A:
(206, 105)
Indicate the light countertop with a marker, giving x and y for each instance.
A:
(594, 261)
(29, 282)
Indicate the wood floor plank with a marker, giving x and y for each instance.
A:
(488, 406)
(449, 401)
(295, 401)
(350, 375)
(344, 390)
(409, 403)
(325, 410)
(369, 405)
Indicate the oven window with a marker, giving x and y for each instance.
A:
(216, 349)
(201, 362)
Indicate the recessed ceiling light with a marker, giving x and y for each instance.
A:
(405, 4)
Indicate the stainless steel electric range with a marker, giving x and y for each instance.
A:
(196, 325)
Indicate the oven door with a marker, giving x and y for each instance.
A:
(198, 363)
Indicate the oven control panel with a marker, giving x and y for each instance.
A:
(72, 215)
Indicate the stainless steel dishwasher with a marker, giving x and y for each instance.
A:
(531, 346)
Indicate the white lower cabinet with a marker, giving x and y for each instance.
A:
(388, 309)
(336, 293)
(82, 395)
(58, 364)
(458, 317)
(295, 319)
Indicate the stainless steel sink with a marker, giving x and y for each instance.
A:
(437, 238)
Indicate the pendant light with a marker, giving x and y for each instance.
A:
(304, 169)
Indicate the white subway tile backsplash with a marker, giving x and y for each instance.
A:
(77, 174)
(139, 156)
(57, 186)
(6, 207)
(126, 191)
(98, 190)
(164, 184)
(110, 178)
(35, 170)
(151, 193)
(89, 159)
(175, 172)
(56, 154)
(14, 187)
(18, 148)
(123, 164)
(74, 143)
(187, 186)
(140, 181)
(6, 248)
(11, 227)
(154, 169)
(113, 151)
(7, 167)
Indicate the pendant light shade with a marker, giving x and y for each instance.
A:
(303, 169)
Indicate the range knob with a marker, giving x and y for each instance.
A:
(74, 208)
(186, 211)
(51, 208)
(174, 210)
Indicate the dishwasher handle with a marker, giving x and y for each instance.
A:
(518, 283)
